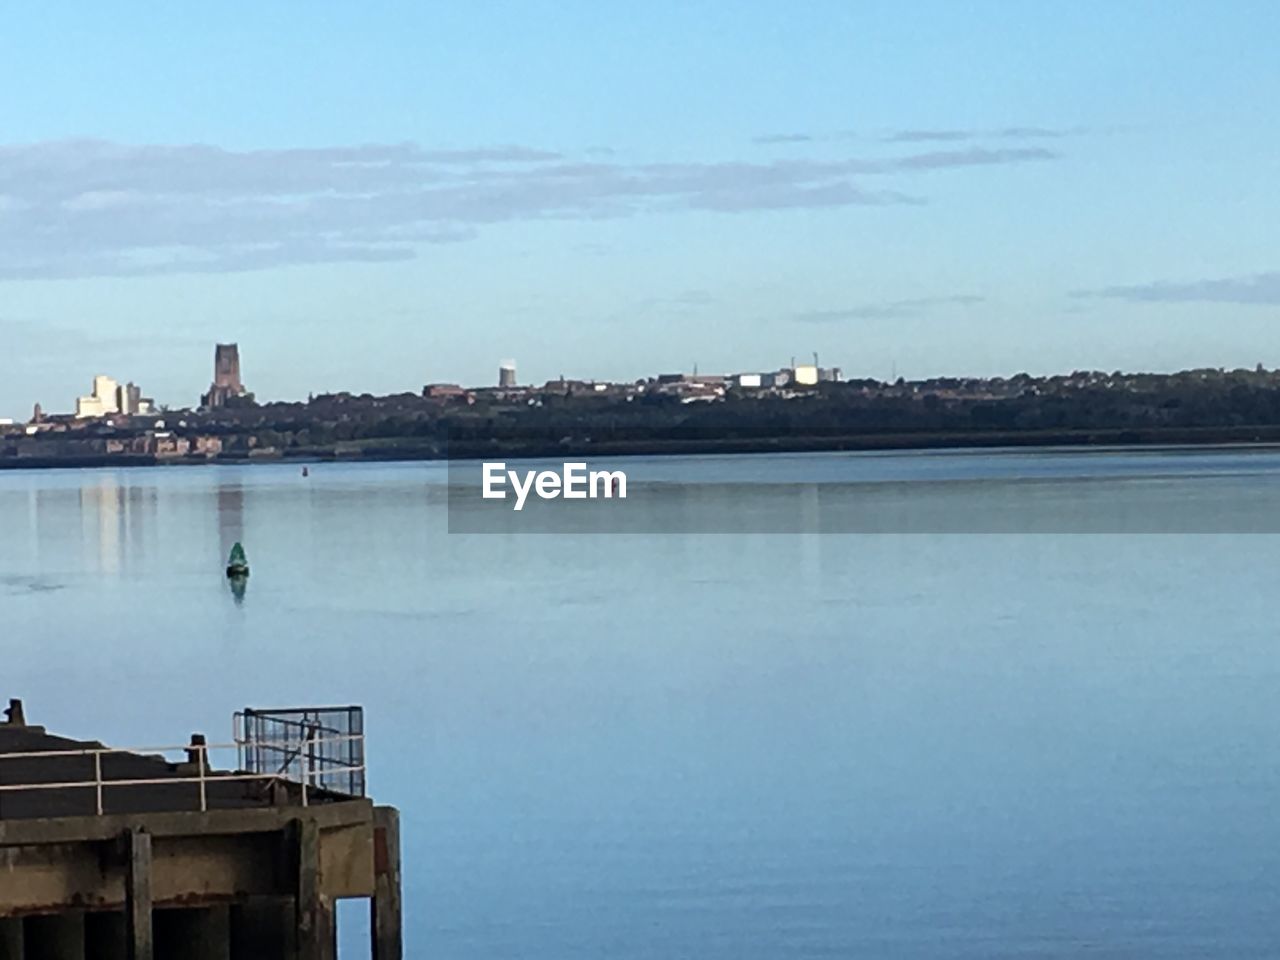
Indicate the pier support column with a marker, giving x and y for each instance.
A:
(385, 924)
(137, 891)
(317, 939)
(55, 937)
(11, 938)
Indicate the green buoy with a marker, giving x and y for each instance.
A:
(237, 563)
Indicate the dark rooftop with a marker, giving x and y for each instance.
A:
(31, 757)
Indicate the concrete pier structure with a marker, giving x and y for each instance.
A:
(110, 855)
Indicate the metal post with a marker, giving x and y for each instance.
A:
(311, 754)
(202, 757)
(97, 779)
(302, 764)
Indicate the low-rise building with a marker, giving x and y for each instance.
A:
(446, 391)
(804, 375)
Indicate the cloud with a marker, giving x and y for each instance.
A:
(927, 136)
(889, 309)
(79, 208)
(772, 138)
(784, 196)
(953, 136)
(1036, 133)
(1259, 289)
(971, 157)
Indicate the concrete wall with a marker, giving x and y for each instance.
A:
(257, 884)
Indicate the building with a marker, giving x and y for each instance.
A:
(446, 391)
(804, 375)
(748, 381)
(129, 399)
(108, 398)
(102, 401)
(131, 402)
(89, 407)
(168, 855)
(108, 390)
(507, 374)
(227, 385)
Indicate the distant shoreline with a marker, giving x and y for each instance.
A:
(390, 452)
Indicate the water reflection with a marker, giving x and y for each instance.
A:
(100, 509)
(230, 512)
(115, 516)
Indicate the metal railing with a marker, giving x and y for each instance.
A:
(325, 741)
(197, 755)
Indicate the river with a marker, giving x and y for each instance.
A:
(941, 740)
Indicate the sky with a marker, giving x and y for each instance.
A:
(374, 196)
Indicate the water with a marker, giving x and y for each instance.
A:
(727, 747)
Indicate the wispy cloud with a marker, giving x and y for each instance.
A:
(1258, 289)
(890, 309)
(911, 135)
(1038, 133)
(91, 207)
(952, 136)
(926, 136)
(772, 138)
(971, 157)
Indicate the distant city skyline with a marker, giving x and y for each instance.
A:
(375, 198)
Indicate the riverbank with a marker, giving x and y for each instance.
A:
(410, 449)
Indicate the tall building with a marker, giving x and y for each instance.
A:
(507, 374)
(226, 377)
(226, 367)
(129, 399)
(107, 390)
(102, 402)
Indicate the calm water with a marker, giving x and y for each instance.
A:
(725, 747)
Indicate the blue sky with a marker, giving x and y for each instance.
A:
(374, 196)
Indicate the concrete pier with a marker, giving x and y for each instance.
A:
(254, 876)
